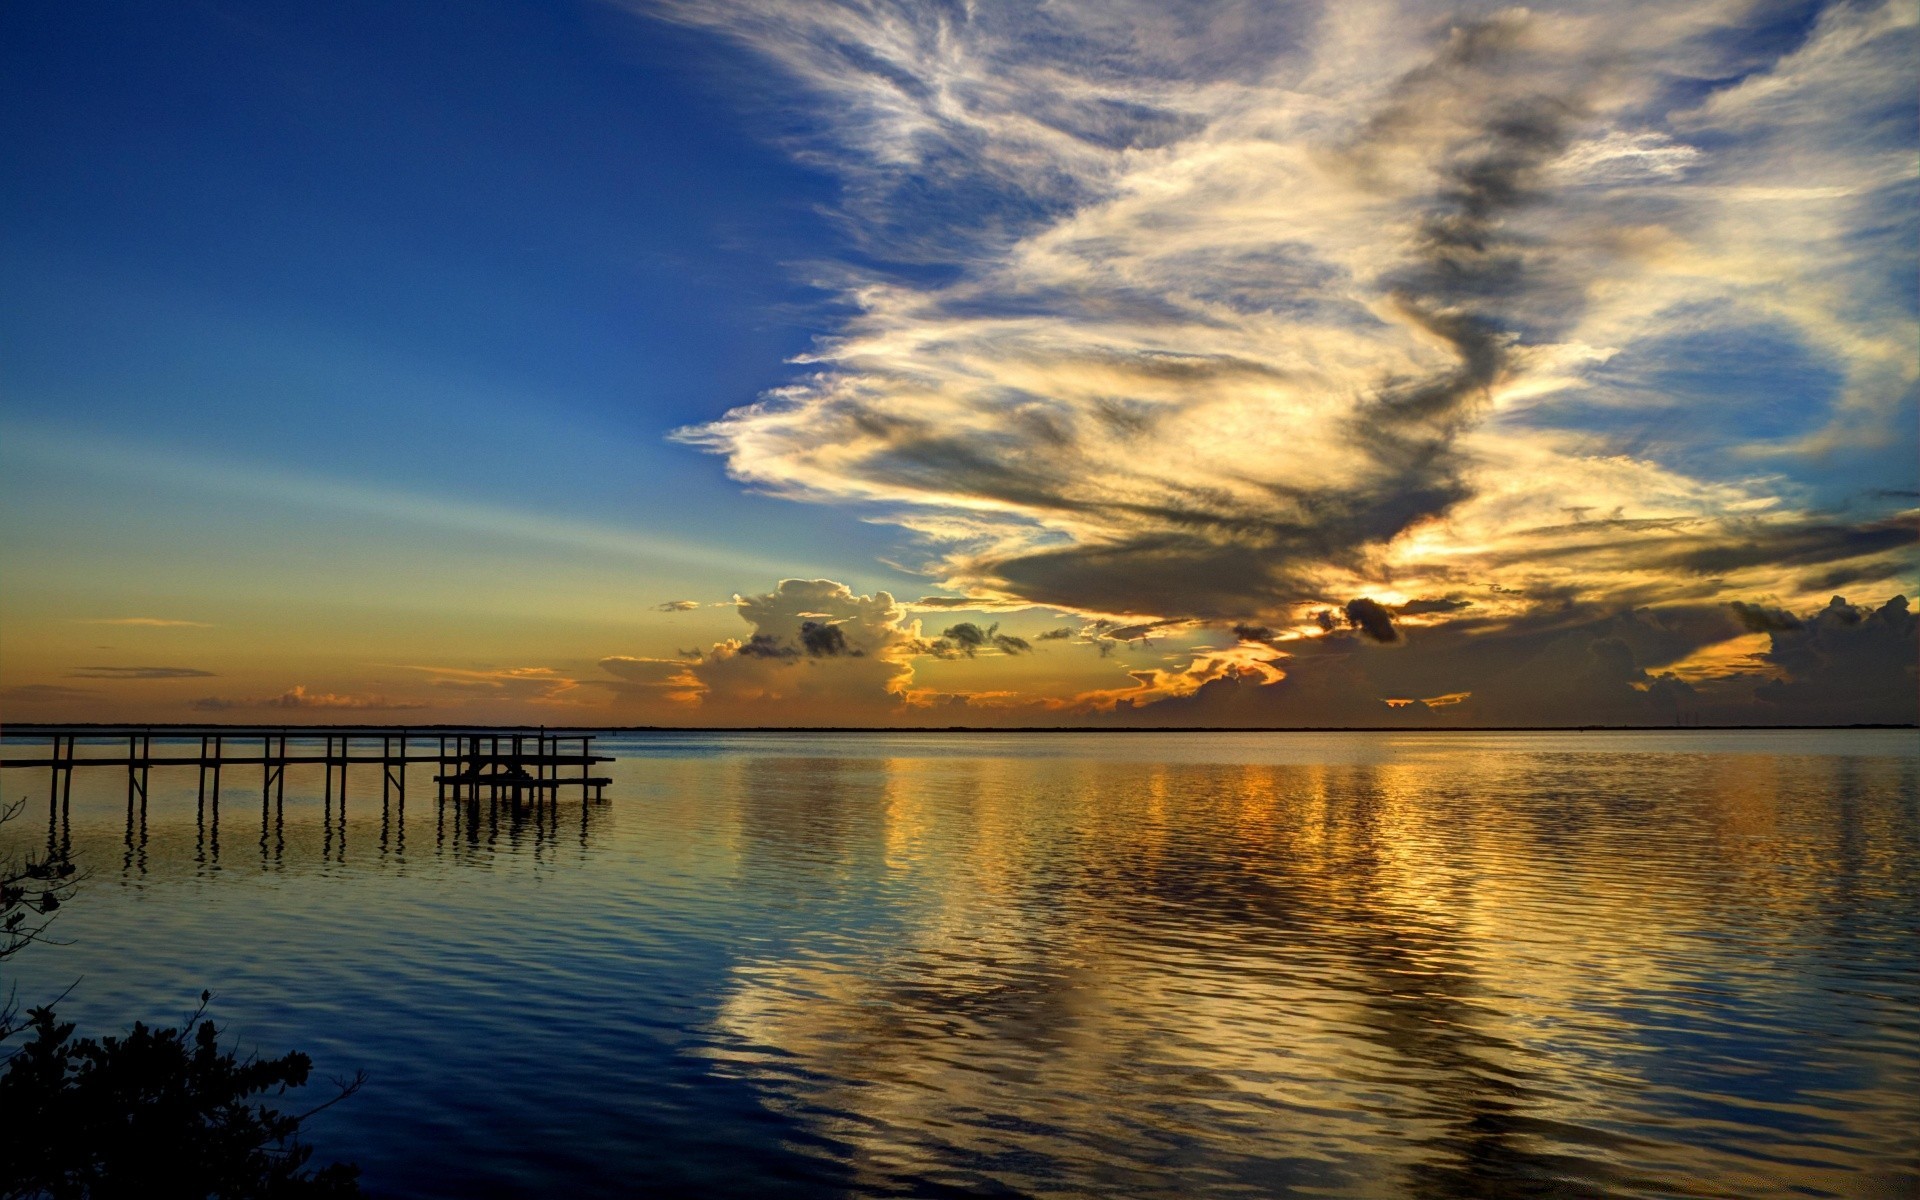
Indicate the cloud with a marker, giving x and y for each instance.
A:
(1372, 620)
(1432, 605)
(1847, 664)
(644, 670)
(1241, 313)
(672, 606)
(1059, 634)
(967, 639)
(150, 622)
(298, 697)
(1764, 620)
(817, 654)
(46, 693)
(647, 681)
(823, 639)
(140, 673)
(973, 602)
(1690, 664)
(529, 685)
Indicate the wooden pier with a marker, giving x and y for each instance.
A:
(473, 762)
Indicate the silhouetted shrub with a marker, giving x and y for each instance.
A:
(160, 1113)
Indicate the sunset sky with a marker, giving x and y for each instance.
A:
(1072, 363)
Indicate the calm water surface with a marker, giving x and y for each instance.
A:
(1063, 965)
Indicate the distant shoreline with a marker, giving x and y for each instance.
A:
(103, 728)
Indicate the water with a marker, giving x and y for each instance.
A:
(1063, 965)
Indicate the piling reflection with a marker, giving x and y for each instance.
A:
(466, 827)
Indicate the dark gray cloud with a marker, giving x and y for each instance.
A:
(140, 673)
(1372, 619)
(763, 645)
(676, 606)
(1800, 545)
(1256, 633)
(1055, 635)
(1847, 664)
(1438, 604)
(1842, 664)
(967, 639)
(1565, 669)
(1840, 577)
(823, 639)
(1761, 619)
(1137, 631)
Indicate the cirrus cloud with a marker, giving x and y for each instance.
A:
(1250, 310)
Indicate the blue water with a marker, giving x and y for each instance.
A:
(1061, 965)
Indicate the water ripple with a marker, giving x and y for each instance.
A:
(1328, 965)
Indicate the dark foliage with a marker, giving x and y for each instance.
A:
(160, 1113)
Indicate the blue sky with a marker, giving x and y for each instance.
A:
(416, 355)
(494, 253)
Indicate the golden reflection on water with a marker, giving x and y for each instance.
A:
(1387, 971)
(1427, 967)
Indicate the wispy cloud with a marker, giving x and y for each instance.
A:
(535, 685)
(282, 487)
(140, 673)
(147, 622)
(1257, 310)
(46, 693)
(298, 697)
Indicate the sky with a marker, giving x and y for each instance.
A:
(717, 363)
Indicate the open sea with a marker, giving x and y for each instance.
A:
(1130, 964)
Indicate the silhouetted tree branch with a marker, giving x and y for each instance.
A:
(32, 888)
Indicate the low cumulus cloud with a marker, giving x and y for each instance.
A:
(1242, 314)
(673, 606)
(815, 653)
